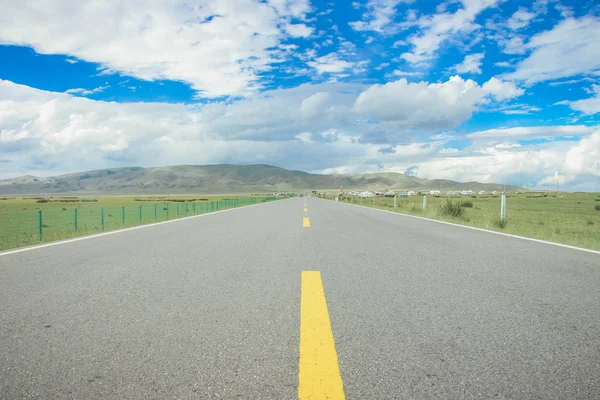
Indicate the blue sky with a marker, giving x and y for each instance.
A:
(487, 90)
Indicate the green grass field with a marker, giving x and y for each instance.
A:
(570, 218)
(64, 217)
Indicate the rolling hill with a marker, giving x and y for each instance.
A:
(224, 178)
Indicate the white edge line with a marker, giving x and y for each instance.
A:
(59, 242)
(479, 229)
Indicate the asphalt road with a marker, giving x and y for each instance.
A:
(209, 307)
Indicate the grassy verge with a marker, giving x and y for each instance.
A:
(63, 217)
(570, 218)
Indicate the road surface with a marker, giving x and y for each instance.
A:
(212, 307)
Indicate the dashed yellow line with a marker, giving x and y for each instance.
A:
(305, 209)
(319, 372)
(305, 222)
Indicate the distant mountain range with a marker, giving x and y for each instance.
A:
(221, 179)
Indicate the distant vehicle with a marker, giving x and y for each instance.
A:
(391, 193)
(367, 194)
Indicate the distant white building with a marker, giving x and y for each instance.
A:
(494, 192)
(482, 192)
(411, 193)
(466, 192)
(434, 192)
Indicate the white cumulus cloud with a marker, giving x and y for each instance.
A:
(590, 105)
(437, 28)
(471, 64)
(330, 63)
(569, 49)
(331, 127)
(299, 30)
(86, 92)
(379, 15)
(520, 19)
(502, 90)
(219, 48)
(430, 105)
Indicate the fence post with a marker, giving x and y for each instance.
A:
(177, 210)
(102, 218)
(194, 208)
(75, 218)
(123, 215)
(155, 211)
(503, 210)
(424, 203)
(40, 224)
(167, 211)
(140, 214)
(394, 202)
(187, 208)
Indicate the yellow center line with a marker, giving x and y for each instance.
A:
(305, 222)
(305, 209)
(319, 373)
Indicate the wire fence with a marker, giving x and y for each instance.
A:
(28, 227)
(437, 207)
(570, 218)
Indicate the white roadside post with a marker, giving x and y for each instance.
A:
(424, 203)
(373, 200)
(394, 202)
(503, 210)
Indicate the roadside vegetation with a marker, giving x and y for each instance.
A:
(64, 217)
(570, 218)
